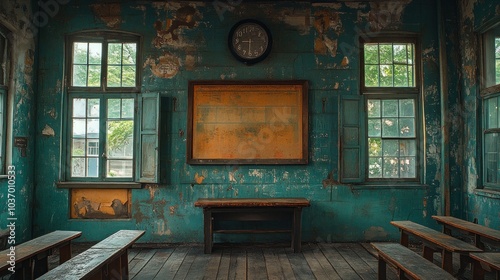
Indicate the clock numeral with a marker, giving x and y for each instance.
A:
(236, 41)
(239, 47)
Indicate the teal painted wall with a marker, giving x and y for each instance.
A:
(16, 17)
(479, 204)
(338, 212)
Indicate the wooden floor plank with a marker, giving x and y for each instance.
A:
(256, 263)
(238, 264)
(156, 263)
(313, 263)
(140, 261)
(132, 253)
(223, 272)
(369, 259)
(323, 261)
(186, 264)
(198, 268)
(173, 263)
(360, 266)
(344, 269)
(273, 266)
(299, 265)
(286, 267)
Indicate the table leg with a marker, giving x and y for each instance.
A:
(296, 232)
(207, 230)
(447, 261)
(428, 253)
(404, 238)
(64, 252)
(477, 270)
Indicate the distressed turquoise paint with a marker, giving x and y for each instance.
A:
(15, 16)
(480, 205)
(338, 212)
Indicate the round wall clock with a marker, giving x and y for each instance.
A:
(250, 41)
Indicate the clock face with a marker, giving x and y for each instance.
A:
(250, 41)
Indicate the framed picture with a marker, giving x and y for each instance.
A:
(247, 122)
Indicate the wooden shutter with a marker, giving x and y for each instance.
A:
(352, 157)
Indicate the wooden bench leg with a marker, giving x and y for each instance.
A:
(64, 253)
(296, 232)
(477, 271)
(404, 238)
(208, 230)
(428, 253)
(382, 269)
(447, 261)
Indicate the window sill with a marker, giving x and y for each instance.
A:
(382, 186)
(488, 193)
(99, 185)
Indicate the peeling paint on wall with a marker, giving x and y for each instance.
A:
(108, 13)
(168, 30)
(165, 66)
(384, 14)
(299, 19)
(48, 131)
(198, 178)
(325, 22)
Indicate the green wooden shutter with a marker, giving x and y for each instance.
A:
(148, 151)
(352, 157)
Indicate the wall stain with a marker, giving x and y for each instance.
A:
(374, 233)
(384, 14)
(198, 178)
(325, 22)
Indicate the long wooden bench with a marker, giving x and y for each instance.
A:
(408, 263)
(435, 241)
(491, 260)
(29, 259)
(478, 232)
(251, 209)
(107, 259)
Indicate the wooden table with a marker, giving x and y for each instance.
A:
(478, 232)
(251, 209)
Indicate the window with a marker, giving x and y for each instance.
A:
(102, 106)
(380, 129)
(490, 92)
(4, 89)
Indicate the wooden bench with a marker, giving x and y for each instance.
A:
(31, 256)
(251, 209)
(107, 259)
(491, 260)
(407, 262)
(435, 241)
(478, 232)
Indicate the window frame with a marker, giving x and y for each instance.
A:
(5, 89)
(102, 92)
(385, 93)
(486, 93)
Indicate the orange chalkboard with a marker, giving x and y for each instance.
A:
(234, 122)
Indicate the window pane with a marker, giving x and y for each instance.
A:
(95, 53)
(407, 167)
(128, 108)
(374, 128)
(375, 167)
(79, 105)
(94, 79)
(385, 53)
(78, 167)
(80, 53)
(390, 148)
(491, 157)
(128, 76)
(407, 147)
(120, 138)
(93, 128)
(129, 53)
(93, 110)
(371, 54)
(391, 167)
(400, 76)
(407, 127)
(119, 168)
(114, 54)
(114, 107)
(79, 128)
(79, 75)
(390, 108)
(371, 75)
(406, 108)
(92, 167)
(78, 147)
(93, 148)
(374, 147)
(114, 76)
(373, 108)
(390, 127)
(386, 76)
(400, 53)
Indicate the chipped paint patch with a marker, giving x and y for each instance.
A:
(297, 18)
(256, 173)
(327, 24)
(110, 14)
(48, 131)
(165, 66)
(152, 190)
(172, 209)
(384, 14)
(198, 178)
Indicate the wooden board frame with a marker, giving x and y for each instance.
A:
(248, 122)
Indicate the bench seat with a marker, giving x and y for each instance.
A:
(488, 259)
(435, 241)
(31, 256)
(107, 259)
(407, 262)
